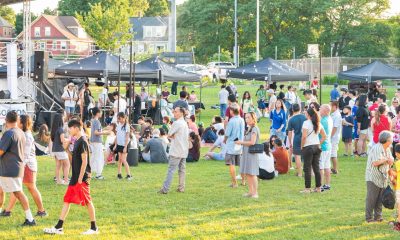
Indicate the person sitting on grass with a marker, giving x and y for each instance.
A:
(78, 191)
(281, 157)
(266, 164)
(193, 97)
(154, 151)
(194, 147)
(166, 123)
(218, 143)
(42, 140)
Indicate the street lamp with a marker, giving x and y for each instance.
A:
(258, 32)
(235, 50)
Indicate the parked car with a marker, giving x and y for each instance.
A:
(195, 68)
(218, 69)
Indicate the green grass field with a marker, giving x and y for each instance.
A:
(209, 209)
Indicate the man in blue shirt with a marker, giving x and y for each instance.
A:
(325, 159)
(335, 95)
(234, 132)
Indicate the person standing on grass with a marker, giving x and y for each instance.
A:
(96, 144)
(84, 97)
(12, 146)
(380, 160)
(179, 134)
(58, 142)
(396, 130)
(70, 98)
(272, 100)
(310, 149)
(247, 102)
(249, 161)
(335, 95)
(261, 96)
(347, 131)
(30, 169)
(278, 118)
(234, 132)
(118, 106)
(396, 176)
(335, 134)
(325, 159)
(363, 121)
(295, 125)
(121, 145)
(223, 100)
(78, 191)
(380, 122)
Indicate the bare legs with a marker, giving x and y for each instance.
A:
(253, 185)
(348, 148)
(326, 175)
(122, 160)
(362, 142)
(299, 170)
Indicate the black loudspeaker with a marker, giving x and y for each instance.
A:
(41, 66)
(5, 94)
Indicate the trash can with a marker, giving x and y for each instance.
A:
(133, 157)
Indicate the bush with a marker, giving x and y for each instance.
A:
(330, 80)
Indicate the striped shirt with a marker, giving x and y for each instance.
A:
(378, 175)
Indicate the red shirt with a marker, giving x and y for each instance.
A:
(281, 157)
(373, 107)
(381, 126)
(228, 112)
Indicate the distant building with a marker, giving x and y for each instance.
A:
(62, 36)
(6, 29)
(150, 34)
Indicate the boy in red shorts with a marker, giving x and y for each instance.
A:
(78, 191)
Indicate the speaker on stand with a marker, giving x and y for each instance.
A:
(41, 66)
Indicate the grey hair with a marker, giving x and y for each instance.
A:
(384, 136)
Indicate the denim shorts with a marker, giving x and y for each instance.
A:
(70, 109)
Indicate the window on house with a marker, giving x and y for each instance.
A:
(63, 45)
(41, 46)
(147, 31)
(160, 31)
(47, 32)
(37, 31)
(54, 45)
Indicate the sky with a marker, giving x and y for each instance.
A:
(38, 6)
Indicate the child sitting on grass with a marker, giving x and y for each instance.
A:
(395, 178)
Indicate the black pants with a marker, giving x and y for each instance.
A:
(264, 175)
(311, 156)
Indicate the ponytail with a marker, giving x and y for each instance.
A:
(379, 113)
(314, 119)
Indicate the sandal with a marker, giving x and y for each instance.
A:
(233, 185)
(307, 190)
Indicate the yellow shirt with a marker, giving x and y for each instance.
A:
(397, 165)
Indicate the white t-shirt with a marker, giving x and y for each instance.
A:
(180, 141)
(218, 126)
(69, 94)
(220, 143)
(337, 123)
(122, 105)
(223, 96)
(121, 133)
(30, 153)
(290, 97)
(352, 102)
(266, 162)
(272, 101)
(312, 137)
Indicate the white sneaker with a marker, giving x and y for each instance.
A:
(239, 177)
(53, 231)
(91, 232)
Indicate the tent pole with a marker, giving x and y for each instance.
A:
(130, 83)
(119, 78)
(134, 78)
(320, 74)
(201, 91)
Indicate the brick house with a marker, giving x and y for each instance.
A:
(61, 36)
(6, 29)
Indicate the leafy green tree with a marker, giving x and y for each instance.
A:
(8, 14)
(19, 21)
(157, 8)
(72, 7)
(49, 11)
(108, 22)
(225, 56)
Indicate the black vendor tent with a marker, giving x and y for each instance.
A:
(149, 70)
(269, 70)
(96, 66)
(53, 64)
(370, 72)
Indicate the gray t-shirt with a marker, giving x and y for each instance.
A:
(12, 143)
(57, 144)
(157, 151)
(96, 125)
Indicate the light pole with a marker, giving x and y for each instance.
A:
(235, 51)
(258, 32)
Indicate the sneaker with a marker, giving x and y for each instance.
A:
(5, 214)
(129, 177)
(161, 191)
(326, 187)
(29, 224)
(119, 176)
(333, 171)
(91, 232)
(53, 231)
(239, 177)
(41, 214)
(99, 177)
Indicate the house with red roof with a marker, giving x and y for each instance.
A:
(62, 36)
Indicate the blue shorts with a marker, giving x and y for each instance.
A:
(218, 156)
(261, 104)
(70, 110)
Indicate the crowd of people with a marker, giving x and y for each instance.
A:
(304, 136)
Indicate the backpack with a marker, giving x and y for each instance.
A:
(388, 198)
